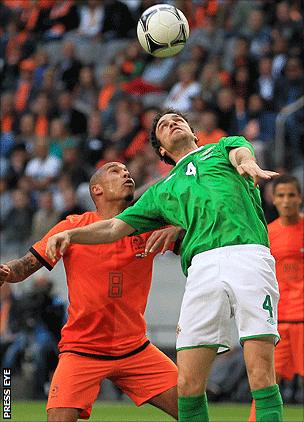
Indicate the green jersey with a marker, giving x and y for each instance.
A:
(205, 195)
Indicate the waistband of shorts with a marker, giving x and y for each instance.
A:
(227, 250)
(108, 357)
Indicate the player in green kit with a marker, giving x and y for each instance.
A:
(212, 194)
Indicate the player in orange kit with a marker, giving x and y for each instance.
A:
(105, 335)
(286, 235)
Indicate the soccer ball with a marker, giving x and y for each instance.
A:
(162, 30)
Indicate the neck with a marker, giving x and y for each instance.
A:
(176, 156)
(109, 209)
(290, 220)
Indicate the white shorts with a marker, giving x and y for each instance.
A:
(232, 281)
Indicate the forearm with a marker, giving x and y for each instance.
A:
(22, 268)
(238, 156)
(107, 231)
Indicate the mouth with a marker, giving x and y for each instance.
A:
(174, 129)
(129, 182)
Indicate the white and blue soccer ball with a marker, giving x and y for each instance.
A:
(162, 30)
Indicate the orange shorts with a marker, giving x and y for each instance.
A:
(289, 353)
(77, 379)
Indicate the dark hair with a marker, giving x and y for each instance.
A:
(286, 178)
(155, 142)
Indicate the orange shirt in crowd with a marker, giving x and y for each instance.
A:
(287, 247)
(213, 137)
(137, 144)
(108, 287)
(41, 126)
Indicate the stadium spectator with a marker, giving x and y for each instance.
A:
(73, 165)
(124, 331)
(41, 108)
(93, 146)
(208, 130)
(265, 82)
(258, 33)
(118, 21)
(5, 201)
(45, 217)
(25, 85)
(59, 134)
(42, 64)
(141, 138)
(18, 223)
(226, 111)
(8, 113)
(39, 315)
(70, 204)
(26, 134)
(286, 235)
(75, 120)
(17, 164)
(63, 17)
(68, 68)
(210, 81)
(288, 89)
(186, 87)
(85, 91)
(42, 169)
(126, 126)
(91, 19)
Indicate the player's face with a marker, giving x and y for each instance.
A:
(116, 182)
(173, 132)
(287, 200)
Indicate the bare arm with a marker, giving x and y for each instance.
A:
(19, 269)
(244, 162)
(106, 231)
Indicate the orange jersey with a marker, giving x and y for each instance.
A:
(108, 288)
(287, 247)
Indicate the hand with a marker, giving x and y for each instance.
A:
(57, 244)
(250, 168)
(162, 239)
(4, 273)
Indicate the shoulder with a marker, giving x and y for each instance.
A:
(82, 219)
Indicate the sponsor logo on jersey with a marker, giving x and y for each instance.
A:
(203, 154)
(206, 154)
(271, 321)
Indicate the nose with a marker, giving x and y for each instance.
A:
(172, 124)
(126, 174)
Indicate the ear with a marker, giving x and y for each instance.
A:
(162, 151)
(97, 190)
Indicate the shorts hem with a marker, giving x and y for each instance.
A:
(277, 337)
(146, 400)
(207, 346)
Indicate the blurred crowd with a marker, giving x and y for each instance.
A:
(78, 91)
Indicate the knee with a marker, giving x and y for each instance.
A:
(261, 377)
(189, 386)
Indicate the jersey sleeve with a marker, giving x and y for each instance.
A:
(144, 215)
(38, 249)
(227, 143)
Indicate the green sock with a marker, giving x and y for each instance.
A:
(194, 409)
(269, 404)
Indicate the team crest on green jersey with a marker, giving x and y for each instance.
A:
(206, 154)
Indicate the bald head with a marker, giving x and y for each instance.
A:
(112, 177)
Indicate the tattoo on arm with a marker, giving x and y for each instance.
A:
(23, 267)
